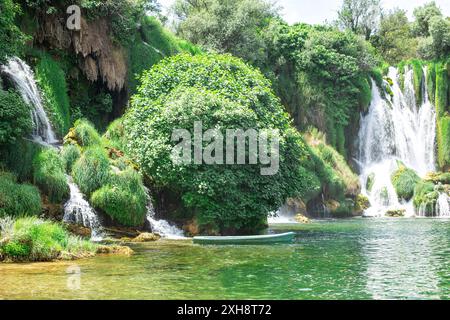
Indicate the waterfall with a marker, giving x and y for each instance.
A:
(78, 211)
(443, 206)
(161, 227)
(395, 129)
(23, 78)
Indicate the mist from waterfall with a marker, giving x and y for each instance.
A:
(396, 130)
(23, 78)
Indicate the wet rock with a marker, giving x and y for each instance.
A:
(302, 219)
(396, 213)
(146, 237)
(119, 250)
(362, 203)
(191, 228)
(370, 181)
(79, 230)
(296, 205)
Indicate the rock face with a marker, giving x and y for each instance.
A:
(79, 230)
(100, 58)
(146, 237)
(297, 206)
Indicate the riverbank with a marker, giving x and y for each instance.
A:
(331, 259)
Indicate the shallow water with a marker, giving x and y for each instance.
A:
(346, 259)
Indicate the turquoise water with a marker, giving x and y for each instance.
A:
(346, 259)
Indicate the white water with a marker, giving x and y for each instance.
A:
(78, 211)
(22, 76)
(396, 130)
(284, 215)
(161, 227)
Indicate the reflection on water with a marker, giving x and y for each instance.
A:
(349, 259)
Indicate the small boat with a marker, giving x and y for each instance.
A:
(244, 240)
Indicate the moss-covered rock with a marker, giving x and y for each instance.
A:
(425, 197)
(396, 213)
(404, 181)
(370, 181)
(362, 203)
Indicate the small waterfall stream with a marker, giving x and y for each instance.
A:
(396, 130)
(161, 227)
(23, 78)
(77, 209)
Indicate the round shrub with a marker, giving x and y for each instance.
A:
(15, 119)
(84, 134)
(115, 134)
(223, 93)
(404, 181)
(124, 199)
(91, 171)
(49, 175)
(18, 199)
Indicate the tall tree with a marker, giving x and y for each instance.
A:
(233, 26)
(360, 16)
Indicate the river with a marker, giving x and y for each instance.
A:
(330, 259)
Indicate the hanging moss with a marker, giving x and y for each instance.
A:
(441, 89)
(444, 142)
(417, 67)
(431, 81)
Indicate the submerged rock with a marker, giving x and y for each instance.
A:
(300, 218)
(120, 250)
(398, 213)
(146, 237)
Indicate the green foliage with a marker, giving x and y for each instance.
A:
(70, 154)
(404, 181)
(52, 82)
(223, 93)
(124, 199)
(431, 81)
(115, 134)
(423, 16)
(394, 39)
(11, 38)
(15, 120)
(233, 26)
(32, 239)
(18, 158)
(151, 44)
(360, 16)
(442, 89)
(337, 179)
(92, 170)
(49, 175)
(18, 199)
(444, 142)
(425, 196)
(84, 134)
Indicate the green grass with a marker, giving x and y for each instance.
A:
(115, 135)
(92, 170)
(33, 239)
(84, 134)
(404, 181)
(70, 154)
(124, 199)
(52, 82)
(49, 175)
(18, 199)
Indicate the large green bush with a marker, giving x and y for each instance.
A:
(92, 170)
(32, 239)
(124, 199)
(52, 82)
(15, 119)
(18, 199)
(223, 93)
(11, 38)
(404, 181)
(49, 175)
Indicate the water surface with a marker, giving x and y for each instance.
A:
(346, 259)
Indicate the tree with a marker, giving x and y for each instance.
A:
(394, 40)
(423, 16)
(11, 38)
(224, 93)
(233, 26)
(360, 16)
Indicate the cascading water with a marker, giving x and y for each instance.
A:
(23, 78)
(161, 227)
(76, 210)
(395, 130)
